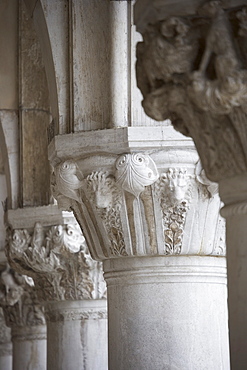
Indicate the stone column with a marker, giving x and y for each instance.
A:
(5, 344)
(25, 317)
(192, 69)
(71, 286)
(151, 215)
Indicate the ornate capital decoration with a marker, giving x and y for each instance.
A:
(19, 300)
(132, 206)
(192, 69)
(58, 260)
(134, 172)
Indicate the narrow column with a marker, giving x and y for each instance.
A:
(5, 344)
(77, 334)
(71, 286)
(29, 347)
(26, 319)
(152, 216)
(119, 63)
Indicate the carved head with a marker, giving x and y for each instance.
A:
(102, 189)
(176, 183)
(174, 28)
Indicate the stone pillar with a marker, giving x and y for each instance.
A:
(151, 215)
(77, 334)
(5, 344)
(71, 286)
(192, 69)
(25, 317)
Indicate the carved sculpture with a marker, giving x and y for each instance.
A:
(129, 206)
(65, 182)
(59, 262)
(193, 71)
(135, 171)
(107, 198)
(11, 288)
(19, 301)
(174, 192)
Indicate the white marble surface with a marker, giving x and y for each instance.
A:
(77, 335)
(167, 313)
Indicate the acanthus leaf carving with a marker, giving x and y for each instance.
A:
(59, 262)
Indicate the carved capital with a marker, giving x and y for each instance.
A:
(58, 260)
(134, 172)
(19, 301)
(191, 69)
(136, 205)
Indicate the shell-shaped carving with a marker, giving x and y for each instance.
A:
(67, 180)
(135, 171)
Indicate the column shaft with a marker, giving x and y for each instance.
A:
(77, 335)
(29, 348)
(5, 344)
(167, 313)
(6, 356)
(237, 292)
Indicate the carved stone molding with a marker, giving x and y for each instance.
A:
(191, 69)
(19, 300)
(71, 315)
(29, 333)
(58, 260)
(133, 204)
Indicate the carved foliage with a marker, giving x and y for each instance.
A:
(107, 198)
(59, 262)
(190, 70)
(173, 190)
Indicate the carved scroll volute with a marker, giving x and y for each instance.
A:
(66, 182)
(134, 174)
(135, 171)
